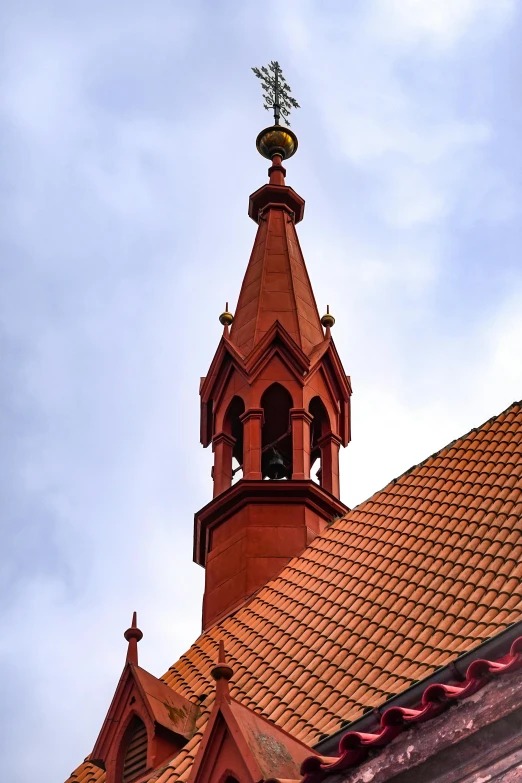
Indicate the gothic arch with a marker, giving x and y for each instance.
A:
(319, 427)
(233, 426)
(132, 756)
(228, 777)
(276, 436)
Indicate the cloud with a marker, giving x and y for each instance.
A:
(128, 136)
(440, 24)
(418, 149)
(404, 426)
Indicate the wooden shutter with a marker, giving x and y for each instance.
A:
(135, 759)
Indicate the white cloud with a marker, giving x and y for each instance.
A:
(441, 23)
(503, 342)
(394, 429)
(419, 151)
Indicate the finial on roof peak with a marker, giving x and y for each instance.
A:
(222, 672)
(276, 140)
(276, 91)
(226, 319)
(133, 635)
(327, 320)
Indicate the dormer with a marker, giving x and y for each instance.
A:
(147, 724)
(241, 746)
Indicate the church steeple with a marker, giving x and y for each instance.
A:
(274, 403)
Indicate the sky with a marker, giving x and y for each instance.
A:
(127, 158)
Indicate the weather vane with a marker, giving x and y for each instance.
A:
(276, 91)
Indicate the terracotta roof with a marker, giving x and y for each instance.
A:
(259, 745)
(424, 570)
(87, 773)
(355, 745)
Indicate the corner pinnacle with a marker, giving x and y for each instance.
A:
(222, 673)
(133, 636)
(226, 319)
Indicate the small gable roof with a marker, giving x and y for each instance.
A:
(425, 569)
(167, 708)
(161, 704)
(239, 739)
(275, 751)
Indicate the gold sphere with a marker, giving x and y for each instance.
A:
(327, 320)
(226, 318)
(276, 140)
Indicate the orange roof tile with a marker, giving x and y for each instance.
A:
(414, 583)
(86, 773)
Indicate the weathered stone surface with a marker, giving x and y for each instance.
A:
(477, 740)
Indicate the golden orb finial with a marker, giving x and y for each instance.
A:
(276, 140)
(226, 318)
(327, 320)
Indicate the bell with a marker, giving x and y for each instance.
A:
(276, 467)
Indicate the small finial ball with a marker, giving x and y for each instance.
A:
(226, 318)
(222, 671)
(133, 633)
(327, 320)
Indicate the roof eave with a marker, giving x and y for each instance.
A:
(491, 648)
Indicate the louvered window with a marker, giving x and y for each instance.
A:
(135, 759)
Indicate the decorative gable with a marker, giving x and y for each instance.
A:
(240, 745)
(147, 723)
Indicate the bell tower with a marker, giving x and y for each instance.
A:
(275, 406)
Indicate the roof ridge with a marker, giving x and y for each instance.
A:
(432, 456)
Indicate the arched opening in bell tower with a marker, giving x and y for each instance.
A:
(276, 459)
(319, 427)
(233, 426)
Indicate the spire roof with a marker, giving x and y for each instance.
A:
(276, 286)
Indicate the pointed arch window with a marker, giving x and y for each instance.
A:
(226, 777)
(320, 426)
(277, 433)
(135, 758)
(234, 427)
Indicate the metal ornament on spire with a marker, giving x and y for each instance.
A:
(276, 91)
(276, 143)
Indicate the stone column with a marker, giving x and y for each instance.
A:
(329, 445)
(223, 447)
(301, 421)
(252, 421)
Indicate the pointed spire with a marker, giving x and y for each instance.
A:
(276, 286)
(222, 673)
(133, 636)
